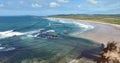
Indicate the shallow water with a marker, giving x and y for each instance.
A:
(31, 39)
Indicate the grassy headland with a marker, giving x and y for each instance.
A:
(111, 18)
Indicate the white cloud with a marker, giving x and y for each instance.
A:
(36, 5)
(93, 1)
(1, 5)
(54, 4)
(63, 1)
(21, 2)
(79, 6)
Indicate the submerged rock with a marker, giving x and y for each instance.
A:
(46, 34)
(53, 36)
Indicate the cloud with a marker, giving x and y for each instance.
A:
(54, 4)
(93, 1)
(36, 5)
(21, 2)
(1, 5)
(63, 1)
(79, 6)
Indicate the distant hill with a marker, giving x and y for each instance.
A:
(116, 15)
(107, 18)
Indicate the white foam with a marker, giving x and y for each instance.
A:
(34, 31)
(58, 20)
(2, 48)
(49, 24)
(10, 49)
(50, 31)
(7, 49)
(86, 26)
(81, 25)
(30, 36)
(74, 61)
(51, 19)
(9, 33)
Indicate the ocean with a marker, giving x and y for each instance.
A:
(34, 39)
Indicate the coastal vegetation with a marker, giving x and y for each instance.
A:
(110, 54)
(112, 18)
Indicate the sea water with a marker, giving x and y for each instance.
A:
(33, 39)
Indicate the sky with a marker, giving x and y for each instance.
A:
(53, 7)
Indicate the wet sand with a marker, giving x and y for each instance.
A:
(102, 33)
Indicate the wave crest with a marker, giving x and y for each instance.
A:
(3, 48)
(81, 25)
(9, 33)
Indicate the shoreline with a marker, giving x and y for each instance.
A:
(76, 20)
(102, 33)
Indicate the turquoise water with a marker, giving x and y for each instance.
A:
(32, 39)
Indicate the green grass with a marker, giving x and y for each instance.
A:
(114, 19)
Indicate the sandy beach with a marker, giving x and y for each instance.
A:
(102, 33)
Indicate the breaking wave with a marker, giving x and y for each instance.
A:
(81, 25)
(3, 48)
(9, 33)
(35, 33)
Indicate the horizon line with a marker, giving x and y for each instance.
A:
(59, 14)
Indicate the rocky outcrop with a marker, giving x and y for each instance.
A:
(110, 54)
